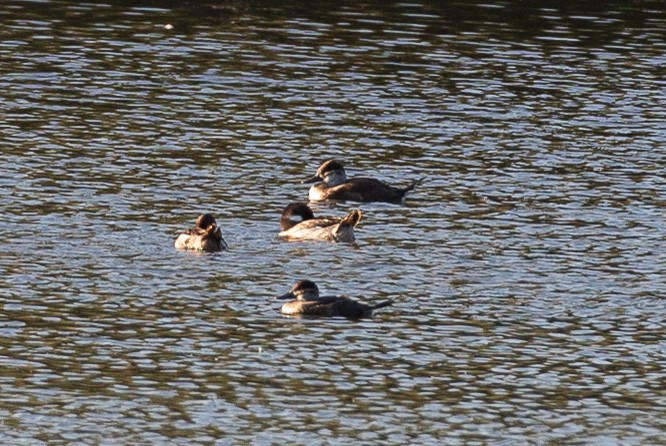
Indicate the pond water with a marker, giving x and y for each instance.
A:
(527, 270)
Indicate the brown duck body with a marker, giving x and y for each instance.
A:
(311, 228)
(204, 236)
(307, 302)
(360, 189)
(332, 306)
(336, 186)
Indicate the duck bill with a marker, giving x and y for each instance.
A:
(286, 296)
(311, 179)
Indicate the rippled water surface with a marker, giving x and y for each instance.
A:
(527, 271)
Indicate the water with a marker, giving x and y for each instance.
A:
(527, 271)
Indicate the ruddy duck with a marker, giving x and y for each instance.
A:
(204, 236)
(307, 302)
(336, 186)
(311, 228)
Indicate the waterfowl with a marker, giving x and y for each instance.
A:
(311, 228)
(307, 302)
(335, 185)
(204, 236)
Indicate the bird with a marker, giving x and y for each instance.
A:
(205, 235)
(311, 228)
(307, 302)
(335, 185)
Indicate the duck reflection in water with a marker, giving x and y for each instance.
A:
(336, 186)
(311, 228)
(307, 302)
(205, 235)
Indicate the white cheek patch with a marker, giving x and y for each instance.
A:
(334, 177)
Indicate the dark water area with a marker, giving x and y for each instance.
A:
(527, 270)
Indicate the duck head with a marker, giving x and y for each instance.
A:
(331, 173)
(302, 290)
(301, 210)
(205, 220)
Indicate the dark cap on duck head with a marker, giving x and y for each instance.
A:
(205, 220)
(300, 288)
(327, 166)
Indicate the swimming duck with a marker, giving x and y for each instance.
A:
(335, 186)
(307, 302)
(311, 228)
(204, 236)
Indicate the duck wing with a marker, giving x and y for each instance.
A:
(185, 238)
(366, 190)
(195, 231)
(323, 306)
(328, 229)
(317, 223)
(351, 309)
(202, 239)
(339, 306)
(315, 229)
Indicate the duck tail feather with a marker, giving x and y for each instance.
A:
(382, 304)
(351, 219)
(414, 184)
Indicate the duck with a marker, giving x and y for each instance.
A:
(311, 228)
(335, 185)
(205, 235)
(307, 302)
